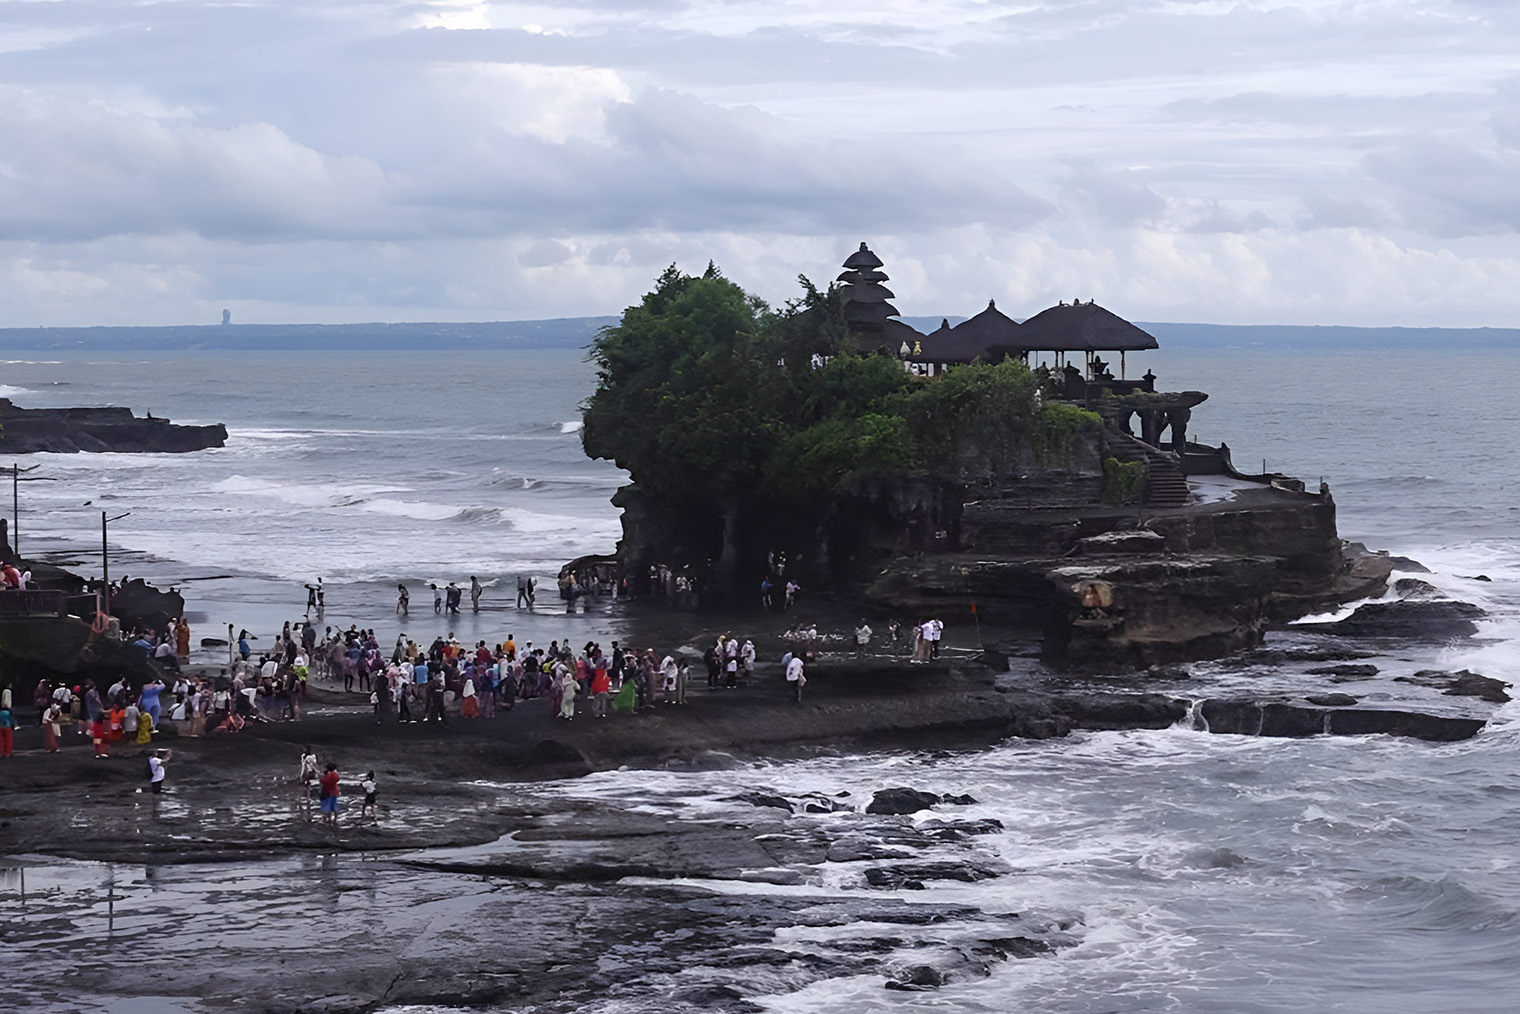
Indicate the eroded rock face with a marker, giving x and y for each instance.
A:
(1194, 583)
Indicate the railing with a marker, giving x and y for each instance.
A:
(32, 602)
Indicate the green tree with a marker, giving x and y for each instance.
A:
(717, 404)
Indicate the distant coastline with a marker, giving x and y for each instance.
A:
(577, 332)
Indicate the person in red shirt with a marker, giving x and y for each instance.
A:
(330, 795)
(601, 689)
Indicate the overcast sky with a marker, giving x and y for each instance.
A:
(1262, 161)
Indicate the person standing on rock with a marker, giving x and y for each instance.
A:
(567, 691)
(52, 726)
(730, 662)
(711, 658)
(156, 770)
(307, 775)
(150, 700)
(368, 807)
(894, 631)
(329, 789)
(601, 691)
(435, 700)
(7, 730)
(795, 677)
(934, 630)
(862, 638)
(95, 714)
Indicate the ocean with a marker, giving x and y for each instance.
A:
(1196, 872)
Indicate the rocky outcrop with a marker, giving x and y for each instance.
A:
(1287, 719)
(72, 430)
(901, 800)
(1462, 683)
(1408, 619)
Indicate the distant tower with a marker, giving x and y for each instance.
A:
(865, 298)
(226, 316)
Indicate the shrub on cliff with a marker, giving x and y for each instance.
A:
(1123, 481)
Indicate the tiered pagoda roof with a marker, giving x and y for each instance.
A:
(866, 308)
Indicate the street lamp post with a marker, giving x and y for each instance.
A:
(16, 472)
(105, 561)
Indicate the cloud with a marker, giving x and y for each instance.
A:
(459, 159)
(81, 166)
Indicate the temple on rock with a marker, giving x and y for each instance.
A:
(1066, 508)
(1142, 546)
(1052, 339)
(991, 336)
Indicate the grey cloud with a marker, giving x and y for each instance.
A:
(233, 140)
(1323, 111)
(1213, 217)
(1326, 210)
(79, 170)
(1116, 198)
(1449, 190)
(545, 253)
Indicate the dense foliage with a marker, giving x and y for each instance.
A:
(705, 392)
(1123, 481)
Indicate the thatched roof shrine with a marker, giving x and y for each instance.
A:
(1082, 327)
(991, 336)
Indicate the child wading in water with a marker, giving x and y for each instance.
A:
(368, 785)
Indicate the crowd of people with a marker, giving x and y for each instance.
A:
(120, 714)
(447, 678)
(169, 649)
(412, 682)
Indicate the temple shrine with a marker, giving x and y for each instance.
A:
(1069, 341)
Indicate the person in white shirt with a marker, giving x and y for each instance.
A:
(731, 663)
(368, 785)
(674, 681)
(935, 629)
(795, 678)
(156, 769)
(862, 639)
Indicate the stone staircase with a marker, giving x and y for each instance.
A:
(1165, 485)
